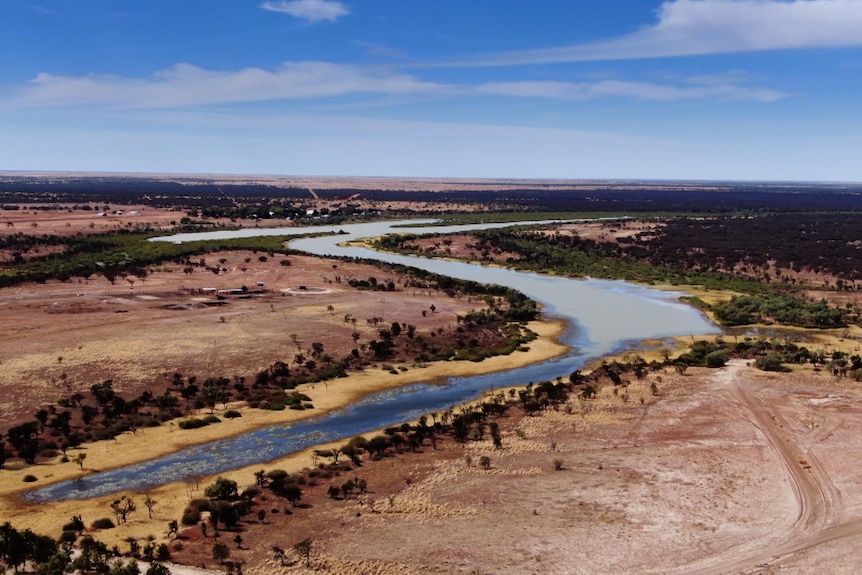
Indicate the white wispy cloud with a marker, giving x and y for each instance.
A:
(311, 10)
(697, 27)
(187, 85)
(719, 87)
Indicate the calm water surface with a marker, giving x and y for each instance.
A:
(603, 316)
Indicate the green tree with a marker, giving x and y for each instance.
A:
(222, 488)
(292, 492)
(716, 359)
(76, 524)
(158, 569)
(57, 564)
(163, 552)
(25, 441)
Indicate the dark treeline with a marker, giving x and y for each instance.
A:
(741, 247)
(819, 243)
(577, 257)
(715, 197)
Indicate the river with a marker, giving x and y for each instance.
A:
(603, 316)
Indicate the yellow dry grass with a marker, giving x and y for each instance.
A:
(130, 448)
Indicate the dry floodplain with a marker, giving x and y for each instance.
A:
(724, 471)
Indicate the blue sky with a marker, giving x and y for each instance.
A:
(678, 89)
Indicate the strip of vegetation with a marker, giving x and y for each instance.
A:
(576, 257)
(121, 254)
(103, 413)
(776, 308)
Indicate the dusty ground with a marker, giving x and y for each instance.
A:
(62, 338)
(36, 219)
(729, 471)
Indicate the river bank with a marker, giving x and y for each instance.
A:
(130, 448)
(608, 317)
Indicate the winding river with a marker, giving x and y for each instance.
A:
(603, 316)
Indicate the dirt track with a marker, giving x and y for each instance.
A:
(815, 495)
(817, 498)
(730, 471)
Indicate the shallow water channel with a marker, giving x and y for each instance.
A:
(603, 316)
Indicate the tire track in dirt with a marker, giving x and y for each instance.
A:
(813, 490)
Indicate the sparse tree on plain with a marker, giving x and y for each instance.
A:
(150, 503)
(303, 549)
(123, 507)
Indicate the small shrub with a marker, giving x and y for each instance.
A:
(103, 523)
(716, 359)
(771, 362)
(250, 492)
(558, 464)
(276, 475)
(29, 478)
(192, 423)
(232, 414)
(104, 434)
(485, 462)
(211, 419)
(191, 516)
(200, 503)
